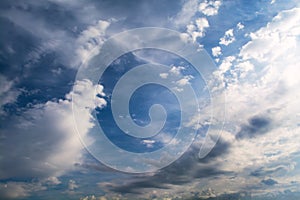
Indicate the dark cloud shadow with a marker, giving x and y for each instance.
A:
(185, 170)
(269, 182)
(257, 125)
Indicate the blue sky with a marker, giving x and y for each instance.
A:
(254, 45)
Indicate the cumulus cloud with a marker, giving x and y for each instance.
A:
(228, 38)
(192, 8)
(240, 26)
(216, 51)
(209, 8)
(176, 70)
(47, 134)
(197, 29)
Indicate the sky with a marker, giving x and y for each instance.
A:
(188, 99)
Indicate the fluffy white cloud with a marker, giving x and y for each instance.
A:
(190, 9)
(209, 8)
(228, 38)
(240, 26)
(184, 81)
(176, 70)
(197, 29)
(216, 51)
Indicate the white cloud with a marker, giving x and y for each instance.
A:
(93, 197)
(197, 29)
(209, 7)
(228, 38)
(188, 10)
(72, 185)
(263, 80)
(163, 75)
(53, 180)
(202, 24)
(226, 63)
(148, 143)
(45, 143)
(176, 70)
(240, 26)
(83, 91)
(216, 51)
(184, 81)
(90, 40)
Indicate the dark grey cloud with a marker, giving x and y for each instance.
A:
(269, 182)
(263, 171)
(184, 170)
(256, 126)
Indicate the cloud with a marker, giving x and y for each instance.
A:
(72, 185)
(261, 137)
(257, 125)
(148, 143)
(163, 75)
(228, 38)
(269, 182)
(240, 26)
(12, 190)
(197, 28)
(43, 138)
(188, 169)
(192, 8)
(216, 51)
(185, 80)
(259, 80)
(8, 93)
(71, 48)
(90, 41)
(209, 8)
(15, 190)
(188, 10)
(176, 70)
